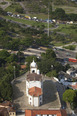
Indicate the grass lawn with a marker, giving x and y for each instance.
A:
(68, 29)
(13, 7)
(27, 22)
(68, 9)
(57, 43)
(39, 15)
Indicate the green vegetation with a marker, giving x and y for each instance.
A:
(7, 63)
(3, 3)
(18, 38)
(42, 6)
(2, 12)
(29, 22)
(15, 7)
(68, 9)
(47, 64)
(71, 35)
(71, 97)
(70, 47)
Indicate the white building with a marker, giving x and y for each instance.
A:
(34, 86)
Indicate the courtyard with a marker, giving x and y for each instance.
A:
(50, 95)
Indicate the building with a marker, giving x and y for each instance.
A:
(3, 111)
(45, 112)
(72, 72)
(73, 86)
(34, 86)
(7, 109)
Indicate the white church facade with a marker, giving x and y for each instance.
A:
(34, 86)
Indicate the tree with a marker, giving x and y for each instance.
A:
(52, 73)
(19, 10)
(69, 95)
(4, 55)
(50, 54)
(59, 13)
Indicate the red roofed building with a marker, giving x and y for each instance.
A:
(45, 113)
(7, 109)
(73, 86)
(23, 66)
(35, 96)
(34, 86)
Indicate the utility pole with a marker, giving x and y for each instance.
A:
(48, 19)
(14, 72)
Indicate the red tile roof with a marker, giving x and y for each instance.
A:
(35, 91)
(73, 86)
(43, 112)
(23, 66)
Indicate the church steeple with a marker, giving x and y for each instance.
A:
(33, 67)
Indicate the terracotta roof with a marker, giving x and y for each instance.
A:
(35, 91)
(34, 76)
(23, 66)
(44, 112)
(73, 86)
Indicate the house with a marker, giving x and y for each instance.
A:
(46, 112)
(64, 76)
(7, 109)
(72, 72)
(73, 86)
(3, 111)
(23, 67)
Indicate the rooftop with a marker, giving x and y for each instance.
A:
(34, 76)
(35, 91)
(44, 112)
(74, 86)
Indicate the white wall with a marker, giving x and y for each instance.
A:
(35, 70)
(27, 86)
(30, 100)
(36, 101)
(34, 83)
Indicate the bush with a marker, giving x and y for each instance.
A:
(19, 10)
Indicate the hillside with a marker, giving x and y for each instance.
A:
(41, 6)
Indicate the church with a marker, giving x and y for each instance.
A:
(34, 86)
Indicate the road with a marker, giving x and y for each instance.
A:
(65, 54)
